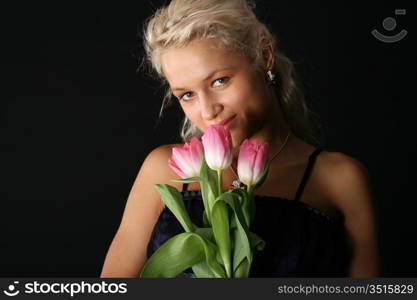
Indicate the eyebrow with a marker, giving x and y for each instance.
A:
(206, 78)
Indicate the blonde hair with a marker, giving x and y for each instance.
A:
(234, 24)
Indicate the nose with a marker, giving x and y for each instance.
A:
(210, 107)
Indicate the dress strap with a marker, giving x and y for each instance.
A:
(307, 172)
(184, 187)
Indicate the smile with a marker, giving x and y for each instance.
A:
(229, 122)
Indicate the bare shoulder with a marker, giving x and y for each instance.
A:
(337, 167)
(143, 196)
(339, 160)
(157, 166)
(345, 180)
(161, 153)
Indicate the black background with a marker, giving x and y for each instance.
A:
(77, 121)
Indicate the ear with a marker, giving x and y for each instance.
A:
(267, 53)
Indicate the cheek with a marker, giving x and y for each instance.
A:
(189, 109)
(194, 115)
(259, 99)
(251, 104)
(250, 87)
(249, 100)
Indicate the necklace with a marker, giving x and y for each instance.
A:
(237, 184)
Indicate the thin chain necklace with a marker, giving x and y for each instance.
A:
(237, 184)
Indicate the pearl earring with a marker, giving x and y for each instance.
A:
(271, 77)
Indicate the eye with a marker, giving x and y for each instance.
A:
(218, 82)
(222, 80)
(185, 96)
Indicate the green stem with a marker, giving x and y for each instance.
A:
(219, 183)
(251, 204)
(226, 256)
(250, 190)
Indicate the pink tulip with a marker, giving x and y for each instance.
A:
(252, 161)
(186, 161)
(217, 143)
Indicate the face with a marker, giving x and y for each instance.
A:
(213, 85)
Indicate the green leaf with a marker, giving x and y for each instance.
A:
(221, 230)
(173, 200)
(201, 270)
(209, 177)
(206, 222)
(242, 193)
(181, 252)
(208, 197)
(241, 242)
(187, 180)
(242, 270)
(247, 210)
(245, 243)
(208, 184)
(233, 224)
(256, 242)
(242, 249)
(212, 175)
(206, 233)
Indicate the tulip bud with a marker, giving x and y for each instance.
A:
(217, 143)
(186, 161)
(252, 161)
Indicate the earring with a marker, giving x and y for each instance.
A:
(271, 77)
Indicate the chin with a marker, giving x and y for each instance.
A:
(237, 140)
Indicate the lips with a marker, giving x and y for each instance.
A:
(227, 123)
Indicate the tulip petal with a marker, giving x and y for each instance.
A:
(186, 161)
(252, 161)
(260, 161)
(176, 169)
(217, 144)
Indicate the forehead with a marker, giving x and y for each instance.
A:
(193, 62)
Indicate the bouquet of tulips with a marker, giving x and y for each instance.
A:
(225, 246)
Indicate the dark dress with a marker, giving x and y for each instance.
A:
(301, 241)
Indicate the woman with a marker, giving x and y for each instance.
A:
(314, 210)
